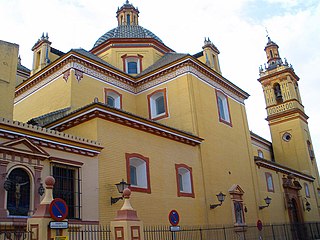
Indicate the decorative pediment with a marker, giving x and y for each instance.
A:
(23, 146)
(236, 192)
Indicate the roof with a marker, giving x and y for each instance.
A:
(166, 59)
(23, 68)
(93, 57)
(127, 31)
(49, 117)
(62, 119)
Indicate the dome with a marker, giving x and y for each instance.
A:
(127, 31)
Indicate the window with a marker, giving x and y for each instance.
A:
(306, 189)
(132, 64)
(184, 180)
(158, 104)
(269, 180)
(311, 153)
(223, 108)
(238, 212)
(18, 196)
(68, 187)
(138, 172)
(128, 19)
(260, 154)
(113, 98)
(277, 92)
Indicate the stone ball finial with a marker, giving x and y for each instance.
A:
(126, 193)
(49, 181)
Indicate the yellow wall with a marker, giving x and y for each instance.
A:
(56, 95)
(163, 154)
(114, 56)
(8, 68)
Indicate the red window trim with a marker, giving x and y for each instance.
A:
(106, 90)
(124, 58)
(220, 119)
(179, 193)
(166, 114)
(269, 175)
(146, 159)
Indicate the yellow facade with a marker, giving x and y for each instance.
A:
(179, 120)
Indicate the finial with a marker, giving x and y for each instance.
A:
(127, 1)
(42, 37)
(267, 32)
(19, 59)
(47, 36)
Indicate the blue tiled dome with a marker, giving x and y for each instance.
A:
(127, 31)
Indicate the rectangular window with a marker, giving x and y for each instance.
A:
(184, 180)
(68, 187)
(223, 108)
(307, 191)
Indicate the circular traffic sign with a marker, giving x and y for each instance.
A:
(174, 218)
(259, 225)
(58, 209)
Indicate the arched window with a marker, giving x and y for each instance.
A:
(128, 19)
(18, 196)
(138, 172)
(277, 92)
(223, 108)
(269, 180)
(132, 64)
(113, 98)
(260, 154)
(271, 54)
(184, 180)
(158, 105)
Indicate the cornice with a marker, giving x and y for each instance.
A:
(101, 72)
(99, 110)
(276, 73)
(280, 168)
(48, 138)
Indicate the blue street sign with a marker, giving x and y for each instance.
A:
(58, 209)
(174, 218)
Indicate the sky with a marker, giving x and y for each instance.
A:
(238, 28)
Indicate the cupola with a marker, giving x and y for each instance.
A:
(128, 15)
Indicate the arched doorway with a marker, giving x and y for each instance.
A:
(18, 192)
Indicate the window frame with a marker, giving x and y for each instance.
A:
(189, 170)
(152, 97)
(116, 95)
(307, 190)
(226, 108)
(260, 154)
(136, 188)
(129, 58)
(77, 191)
(269, 176)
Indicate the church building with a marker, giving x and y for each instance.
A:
(133, 110)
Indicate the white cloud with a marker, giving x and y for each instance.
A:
(237, 28)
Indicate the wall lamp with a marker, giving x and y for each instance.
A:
(307, 206)
(268, 201)
(221, 198)
(120, 186)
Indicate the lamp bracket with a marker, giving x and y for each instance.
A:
(115, 200)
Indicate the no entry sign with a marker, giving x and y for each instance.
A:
(174, 218)
(58, 209)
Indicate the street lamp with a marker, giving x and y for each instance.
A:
(120, 186)
(268, 201)
(221, 198)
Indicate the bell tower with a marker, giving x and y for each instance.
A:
(128, 15)
(287, 120)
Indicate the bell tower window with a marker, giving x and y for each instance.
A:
(128, 19)
(277, 93)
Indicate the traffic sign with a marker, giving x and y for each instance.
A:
(58, 209)
(259, 225)
(174, 218)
